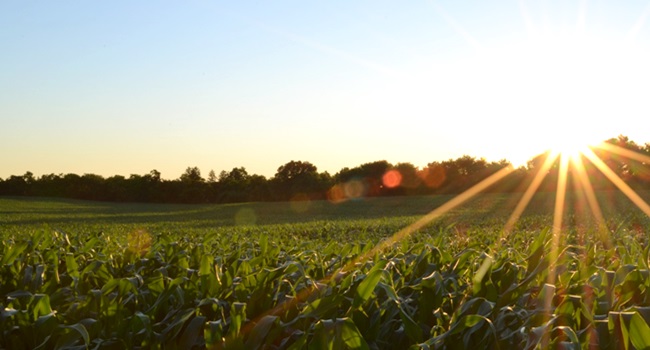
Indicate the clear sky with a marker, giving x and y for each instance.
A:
(124, 87)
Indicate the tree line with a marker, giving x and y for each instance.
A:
(301, 180)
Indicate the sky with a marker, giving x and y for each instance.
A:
(125, 87)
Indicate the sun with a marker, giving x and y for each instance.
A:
(570, 143)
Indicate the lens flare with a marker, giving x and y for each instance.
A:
(564, 161)
(353, 189)
(139, 242)
(392, 179)
(245, 216)
(433, 176)
(300, 203)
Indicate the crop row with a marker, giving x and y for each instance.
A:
(290, 287)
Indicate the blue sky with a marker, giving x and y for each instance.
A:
(126, 87)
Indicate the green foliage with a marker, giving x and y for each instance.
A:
(183, 277)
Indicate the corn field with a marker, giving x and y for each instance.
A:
(320, 284)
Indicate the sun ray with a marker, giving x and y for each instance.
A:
(579, 202)
(618, 182)
(558, 213)
(555, 240)
(586, 187)
(441, 210)
(530, 191)
(568, 161)
(606, 146)
(586, 193)
(403, 233)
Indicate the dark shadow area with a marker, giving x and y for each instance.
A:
(17, 211)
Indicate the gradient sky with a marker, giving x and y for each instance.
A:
(124, 87)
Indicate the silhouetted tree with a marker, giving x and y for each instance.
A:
(17, 185)
(233, 186)
(369, 174)
(212, 177)
(193, 189)
(302, 179)
(49, 185)
(192, 175)
(433, 176)
(258, 188)
(462, 173)
(410, 180)
(298, 178)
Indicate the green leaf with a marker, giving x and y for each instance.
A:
(569, 334)
(44, 327)
(299, 343)
(206, 267)
(237, 318)
(72, 266)
(71, 337)
(336, 334)
(192, 333)
(7, 313)
(140, 323)
(82, 330)
(351, 336)
(389, 290)
(639, 332)
(481, 274)
(619, 326)
(413, 330)
(537, 248)
(40, 305)
(110, 286)
(174, 327)
(367, 286)
(260, 331)
(14, 252)
(467, 322)
(264, 244)
(213, 334)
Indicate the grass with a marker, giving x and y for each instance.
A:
(26, 211)
(77, 274)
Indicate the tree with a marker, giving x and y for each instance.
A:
(49, 185)
(298, 177)
(258, 188)
(192, 175)
(433, 176)
(233, 186)
(117, 189)
(461, 173)
(295, 170)
(409, 174)
(154, 175)
(369, 174)
(192, 186)
(15, 186)
(212, 177)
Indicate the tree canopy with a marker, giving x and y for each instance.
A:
(301, 180)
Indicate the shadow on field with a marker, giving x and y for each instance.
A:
(19, 211)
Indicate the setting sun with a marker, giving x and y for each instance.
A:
(570, 143)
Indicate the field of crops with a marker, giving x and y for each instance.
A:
(77, 275)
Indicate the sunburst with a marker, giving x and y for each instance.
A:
(571, 161)
(562, 69)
